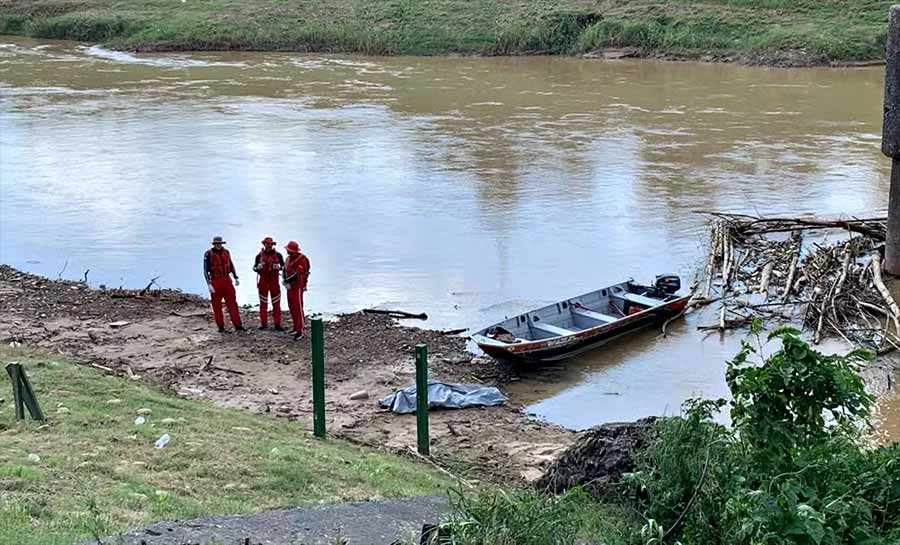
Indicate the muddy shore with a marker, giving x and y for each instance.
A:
(170, 337)
(785, 58)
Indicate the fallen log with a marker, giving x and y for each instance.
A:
(396, 313)
(874, 227)
(192, 314)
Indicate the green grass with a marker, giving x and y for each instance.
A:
(99, 473)
(823, 30)
(495, 516)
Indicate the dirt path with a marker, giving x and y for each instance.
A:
(359, 523)
(170, 337)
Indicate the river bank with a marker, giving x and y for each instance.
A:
(802, 33)
(169, 341)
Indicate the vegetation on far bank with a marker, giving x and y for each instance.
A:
(769, 31)
(90, 470)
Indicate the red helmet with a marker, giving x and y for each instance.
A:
(268, 240)
(292, 247)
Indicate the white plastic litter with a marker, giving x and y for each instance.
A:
(139, 420)
(163, 441)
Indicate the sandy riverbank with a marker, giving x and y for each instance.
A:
(170, 335)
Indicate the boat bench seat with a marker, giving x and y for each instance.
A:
(552, 329)
(606, 318)
(641, 300)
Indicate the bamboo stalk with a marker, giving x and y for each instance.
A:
(792, 269)
(845, 266)
(766, 276)
(726, 257)
(789, 283)
(874, 307)
(710, 263)
(882, 289)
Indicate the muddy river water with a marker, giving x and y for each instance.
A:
(467, 188)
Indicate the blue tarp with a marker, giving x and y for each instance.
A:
(444, 396)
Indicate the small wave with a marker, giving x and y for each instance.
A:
(21, 91)
(166, 61)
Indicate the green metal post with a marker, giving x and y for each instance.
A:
(28, 396)
(13, 370)
(422, 399)
(23, 393)
(318, 368)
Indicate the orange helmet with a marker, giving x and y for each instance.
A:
(292, 247)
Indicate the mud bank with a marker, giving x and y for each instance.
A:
(170, 337)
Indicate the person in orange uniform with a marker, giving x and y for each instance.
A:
(296, 277)
(267, 265)
(217, 266)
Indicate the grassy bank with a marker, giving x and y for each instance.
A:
(770, 31)
(98, 472)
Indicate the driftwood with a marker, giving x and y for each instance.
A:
(207, 365)
(874, 227)
(396, 313)
(766, 276)
(710, 265)
(882, 289)
(192, 314)
(789, 284)
(825, 275)
(149, 285)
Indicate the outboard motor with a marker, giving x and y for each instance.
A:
(667, 283)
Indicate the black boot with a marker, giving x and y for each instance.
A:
(221, 329)
(263, 326)
(298, 335)
(278, 327)
(239, 328)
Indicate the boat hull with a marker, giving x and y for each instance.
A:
(558, 348)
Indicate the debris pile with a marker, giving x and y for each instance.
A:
(825, 274)
(599, 459)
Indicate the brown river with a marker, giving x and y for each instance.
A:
(467, 188)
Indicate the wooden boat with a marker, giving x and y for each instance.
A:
(572, 326)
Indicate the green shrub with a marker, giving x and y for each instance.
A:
(792, 470)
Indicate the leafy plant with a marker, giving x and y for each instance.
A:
(792, 470)
(798, 398)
